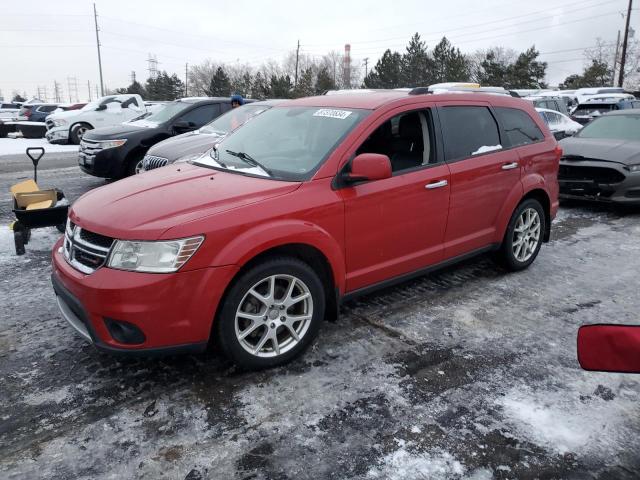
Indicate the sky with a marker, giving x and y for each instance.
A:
(42, 42)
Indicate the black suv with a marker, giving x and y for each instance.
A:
(115, 152)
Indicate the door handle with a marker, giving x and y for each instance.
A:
(510, 166)
(441, 183)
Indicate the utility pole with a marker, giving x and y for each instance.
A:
(295, 82)
(133, 76)
(95, 19)
(624, 46)
(366, 64)
(186, 79)
(615, 60)
(89, 88)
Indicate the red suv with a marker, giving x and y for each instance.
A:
(321, 199)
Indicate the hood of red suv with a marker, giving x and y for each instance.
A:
(142, 207)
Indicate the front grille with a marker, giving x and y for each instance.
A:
(590, 174)
(84, 250)
(89, 147)
(151, 162)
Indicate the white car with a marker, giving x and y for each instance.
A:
(560, 125)
(109, 111)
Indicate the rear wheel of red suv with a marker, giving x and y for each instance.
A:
(271, 313)
(523, 238)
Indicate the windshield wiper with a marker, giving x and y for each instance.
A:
(215, 155)
(250, 160)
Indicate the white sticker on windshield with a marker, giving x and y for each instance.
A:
(331, 113)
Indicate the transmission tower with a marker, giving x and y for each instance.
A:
(57, 92)
(72, 86)
(133, 76)
(152, 60)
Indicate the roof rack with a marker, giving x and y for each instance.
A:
(443, 88)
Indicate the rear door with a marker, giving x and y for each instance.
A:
(396, 225)
(483, 174)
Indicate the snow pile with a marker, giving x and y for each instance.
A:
(592, 422)
(403, 464)
(17, 146)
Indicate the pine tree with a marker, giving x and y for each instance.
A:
(260, 88)
(280, 86)
(598, 74)
(387, 71)
(417, 67)
(449, 64)
(136, 89)
(220, 85)
(324, 81)
(18, 98)
(526, 71)
(305, 84)
(493, 71)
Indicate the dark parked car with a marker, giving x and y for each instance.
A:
(114, 152)
(192, 144)
(602, 161)
(36, 112)
(550, 103)
(600, 104)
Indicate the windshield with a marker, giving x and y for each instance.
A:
(616, 127)
(594, 109)
(233, 119)
(93, 105)
(167, 111)
(288, 142)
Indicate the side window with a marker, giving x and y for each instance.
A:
(468, 131)
(407, 139)
(48, 108)
(225, 106)
(201, 115)
(519, 127)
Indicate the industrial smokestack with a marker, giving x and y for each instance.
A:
(347, 66)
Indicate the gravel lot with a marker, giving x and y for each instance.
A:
(467, 373)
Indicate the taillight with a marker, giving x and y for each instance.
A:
(558, 152)
(27, 112)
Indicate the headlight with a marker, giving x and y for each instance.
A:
(112, 143)
(153, 257)
(634, 168)
(188, 158)
(59, 123)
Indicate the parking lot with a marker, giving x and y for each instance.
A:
(467, 373)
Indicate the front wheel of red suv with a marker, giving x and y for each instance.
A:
(523, 238)
(271, 314)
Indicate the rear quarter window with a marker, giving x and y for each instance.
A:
(519, 126)
(468, 131)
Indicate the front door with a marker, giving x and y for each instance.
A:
(396, 225)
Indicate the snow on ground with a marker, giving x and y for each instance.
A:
(469, 373)
(16, 146)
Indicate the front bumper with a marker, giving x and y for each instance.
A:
(173, 311)
(57, 134)
(599, 181)
(99, 162)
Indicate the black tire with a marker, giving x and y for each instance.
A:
(18, 240)
(507, 255)
(75, 134)
(26, 235)
(131, 166)
(225, 322)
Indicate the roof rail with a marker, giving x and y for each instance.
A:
(460, 89)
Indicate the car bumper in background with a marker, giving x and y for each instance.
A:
(57, 135)
(598, 181)
(140, 313)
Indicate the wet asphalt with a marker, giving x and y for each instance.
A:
(470, 372)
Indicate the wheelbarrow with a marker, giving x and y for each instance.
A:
(36, 208)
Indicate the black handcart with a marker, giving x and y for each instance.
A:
(35, 208)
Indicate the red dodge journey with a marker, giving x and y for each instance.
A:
(321, 199)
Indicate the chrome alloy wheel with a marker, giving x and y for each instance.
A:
(81, 131)
(274, 315)
(139, 168)
(526, 235)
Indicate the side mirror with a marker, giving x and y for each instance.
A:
(368, 166)
(560, 135)
(609, 348)
(101, 107)
(183, 126)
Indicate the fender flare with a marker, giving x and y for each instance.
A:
(264, 237)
